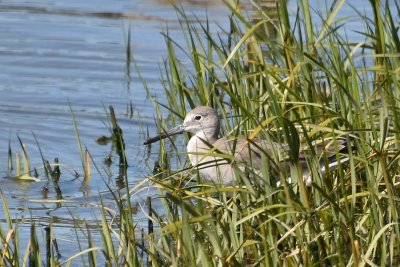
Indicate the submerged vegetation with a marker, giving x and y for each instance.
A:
(292, 78)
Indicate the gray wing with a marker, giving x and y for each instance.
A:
(251, 152)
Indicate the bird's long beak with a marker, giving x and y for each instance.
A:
(176, 130)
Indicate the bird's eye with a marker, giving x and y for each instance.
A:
(197, 117)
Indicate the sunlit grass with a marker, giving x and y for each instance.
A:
(305, 77)
(279, 77)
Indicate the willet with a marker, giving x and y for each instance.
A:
(214, 157)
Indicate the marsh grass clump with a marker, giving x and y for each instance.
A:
(22, 164)
(266, 77)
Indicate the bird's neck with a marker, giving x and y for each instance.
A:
(205, 137)
(201, 142)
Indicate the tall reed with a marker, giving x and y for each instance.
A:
(295, 79)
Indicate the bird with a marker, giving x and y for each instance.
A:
(215, 157)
